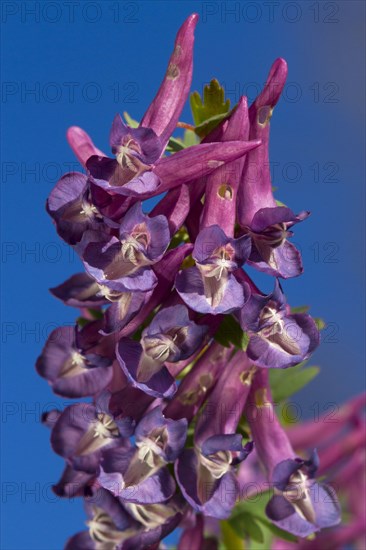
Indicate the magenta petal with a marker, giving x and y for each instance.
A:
(81, 143)
(163, 113)
(197, 161)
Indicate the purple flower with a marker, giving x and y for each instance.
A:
(83, 431)
(165, 271)
(278, 339)
(108, 522)
(271, 251)
(72, 209)
(170, 337)
(255, 190)
(123, 263)
(210, 286)
(137, 169)
(258, 213)
(137, 473)
(136, 150)
(300, 505)
(164, 111)
(73, 362)
(80, 290)
(206, 474)
(167, 173)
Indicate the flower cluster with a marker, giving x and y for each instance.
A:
(175, 341)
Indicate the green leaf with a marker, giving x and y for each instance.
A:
(202, 130)
(300, 309)
(212, 105)
(230, 538)
(256, 508)
(175, 145)
(279, 533)
(286, 382)
(130, 121)
(189, 138)
(246, 525)
(320, 323)
(230, 332)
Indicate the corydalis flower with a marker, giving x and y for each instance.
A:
(83, 431)
(258, 213)
(81, 290)
(123, 263)
(271, 251)
(137, 473)
(278, 339)
(206, 474)
(72, 209)
(299, 505)
(73, 362)
(113, 525)
(210, 286)
(170, 337)
(138, 169)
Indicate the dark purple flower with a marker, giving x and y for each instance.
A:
(80, 290)
(278, 339)
(258, 213)
(73, 363)
(165, 271)
(73, 483)
(124, 263)
(255, 190)
(271, 251)
(108, 522)
(138, 473)
(170, 337)
(206, 476)
(210, 286)
(136, 150)
(72, 209)
(114, 525)
(300, 505)
(83, 431)
(205, 472)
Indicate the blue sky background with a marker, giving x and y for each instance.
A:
(82, 62)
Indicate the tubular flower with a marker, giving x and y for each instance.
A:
(174, 340)
(267, 224)
(170, 337)
(210, 286)
(137, 473)
(206, 474)
(278, 339)
(73, 362)
(299, 505)
(123, 263)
